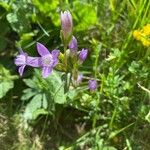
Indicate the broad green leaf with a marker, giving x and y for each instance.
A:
(19, 17)
(56, 87)
(31, 83)
(28, 93)
(5, 86)
(72, 94)
(32, 106)
(6, 81)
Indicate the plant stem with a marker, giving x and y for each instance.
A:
(65, 56)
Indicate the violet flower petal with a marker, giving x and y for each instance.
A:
(73, 46)
(55, 53)
(20, 59)
(34, 61)
(66, 23)
(42, 50)
(21, 70)
(92, 84)
(83, 55)
(46, 71)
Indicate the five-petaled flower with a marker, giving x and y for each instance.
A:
(48, 60)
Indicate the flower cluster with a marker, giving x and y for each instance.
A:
(143, 35)
(48, 60)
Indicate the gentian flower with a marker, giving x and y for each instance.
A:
(23, 59)
(66, 24)
(73, 46)
(48, 60)
(83, 55)
(92, 84)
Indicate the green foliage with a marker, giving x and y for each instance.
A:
(18, 17)
(6, 81)
(43, 94)
(85, 15)
(116, 115)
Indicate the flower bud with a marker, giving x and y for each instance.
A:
(66, 24)
(83, 55)
(92, 84)
(73, 46)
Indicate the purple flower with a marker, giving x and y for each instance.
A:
(66, 24)
(82, 55)
(73, 46)
(48, 60)
(23, 59)
(92, 84)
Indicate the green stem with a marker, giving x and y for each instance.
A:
(65, 56)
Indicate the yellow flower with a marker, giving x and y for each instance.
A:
(143, 35)
(146, 30)
(145, 42)
(137, 34)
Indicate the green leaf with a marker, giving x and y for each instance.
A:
(31, 83)
(19, 17)
(56, 87)
(45, 103)
(28, 93)
(38, 112)
(5, 4)
(109, 148)
(6, 81)
(32, 106)
(5, 86)
(147, 117)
